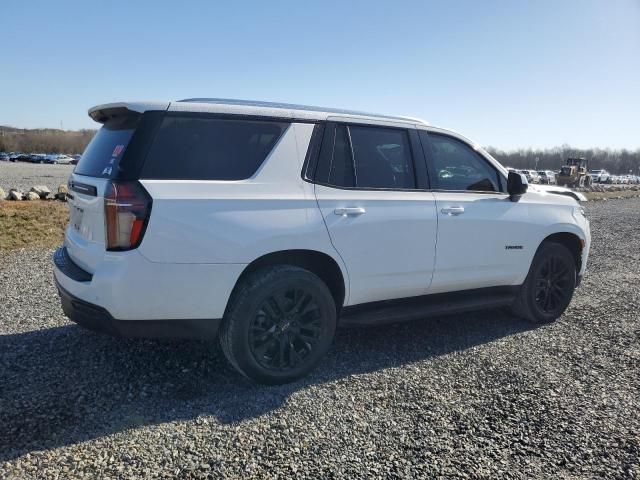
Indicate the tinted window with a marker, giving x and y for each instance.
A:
(103, 154)
(196, 148)
(382, 158)
(456, 166)
(370, 157)
(341, 172)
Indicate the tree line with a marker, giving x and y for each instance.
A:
(45, 140)
(616, 161)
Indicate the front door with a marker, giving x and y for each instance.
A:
(483, 237)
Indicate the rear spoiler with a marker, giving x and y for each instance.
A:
(102, 113)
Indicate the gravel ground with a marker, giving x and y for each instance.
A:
(26, 175)
(473, 396)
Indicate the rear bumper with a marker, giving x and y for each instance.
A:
(137, 298)
(100, 320)
(131, 287)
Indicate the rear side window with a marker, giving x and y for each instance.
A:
(197, 148)
(103, 154)
(370, 158)
(341, 172)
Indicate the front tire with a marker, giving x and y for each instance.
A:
(280, 322)
(549, 286)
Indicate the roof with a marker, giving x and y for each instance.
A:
(101, 113)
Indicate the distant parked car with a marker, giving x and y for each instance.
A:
(535, 178)
(37, 158)
(599, 176)
(4, 157)
(22, 157)
(547, 177)
(58, 159)
(532, 176)
(65, 160)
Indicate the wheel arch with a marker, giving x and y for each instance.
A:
(571, 241)
(319, 263)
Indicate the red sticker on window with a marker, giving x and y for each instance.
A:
(118, 150)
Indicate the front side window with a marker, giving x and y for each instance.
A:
(456, 166)
(370, 158)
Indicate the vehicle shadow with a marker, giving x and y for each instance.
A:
(65, 385)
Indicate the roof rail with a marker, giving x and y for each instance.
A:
(291, 106)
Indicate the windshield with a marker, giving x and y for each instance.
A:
(103, 154)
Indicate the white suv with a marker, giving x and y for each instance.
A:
(270, 224)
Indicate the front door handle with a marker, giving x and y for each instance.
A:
(452, 210)
(349, 211)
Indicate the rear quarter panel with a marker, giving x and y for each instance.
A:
(195, 222)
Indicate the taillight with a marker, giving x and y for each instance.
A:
(127, 207)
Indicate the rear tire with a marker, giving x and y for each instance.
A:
(549, 286)
(280, 322)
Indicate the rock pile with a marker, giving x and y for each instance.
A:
(37, 192)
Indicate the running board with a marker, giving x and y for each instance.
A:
(415, 308)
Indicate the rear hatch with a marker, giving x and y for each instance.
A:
(100, 164)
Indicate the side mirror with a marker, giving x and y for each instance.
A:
(516, 185)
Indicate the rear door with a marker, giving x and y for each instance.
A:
(370, 184)
(101, 161)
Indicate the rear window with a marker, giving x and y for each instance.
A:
(197, 148)
(103, 154)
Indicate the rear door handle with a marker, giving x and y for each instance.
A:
(452, 210)
(349, 211)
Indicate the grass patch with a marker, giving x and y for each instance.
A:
(32, 224)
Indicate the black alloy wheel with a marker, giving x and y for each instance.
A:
(280, 322)
(549, 286)
(552, 284)
(286, 329)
